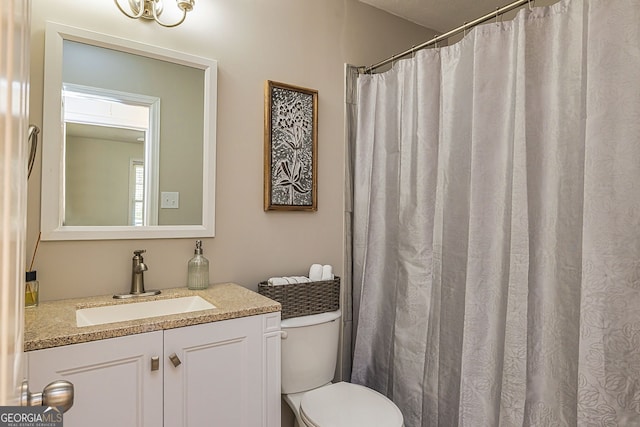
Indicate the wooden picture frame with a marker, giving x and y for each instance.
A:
(290, 148)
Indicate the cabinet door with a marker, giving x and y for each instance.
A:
(112, 378)
(219, 379)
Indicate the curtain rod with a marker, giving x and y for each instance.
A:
(467, 25)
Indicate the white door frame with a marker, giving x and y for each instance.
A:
(14, 76)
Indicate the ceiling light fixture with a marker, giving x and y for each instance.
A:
(152, 9)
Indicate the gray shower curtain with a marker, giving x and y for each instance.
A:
(496, 224)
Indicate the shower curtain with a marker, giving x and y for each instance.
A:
(496, 224)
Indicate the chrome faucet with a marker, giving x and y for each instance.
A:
(138, 267)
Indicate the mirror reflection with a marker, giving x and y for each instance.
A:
(104, 178)
(123, 77)
(107, 179)
(131, 139)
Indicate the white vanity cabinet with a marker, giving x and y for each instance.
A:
(229, 374)
(112, 379)
(224, 373)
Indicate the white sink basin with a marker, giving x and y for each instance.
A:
(140, 310)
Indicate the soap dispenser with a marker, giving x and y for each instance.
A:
(198, 275)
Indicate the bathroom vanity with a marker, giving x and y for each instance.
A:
(218, 366)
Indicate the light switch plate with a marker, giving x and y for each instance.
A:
(170, 200)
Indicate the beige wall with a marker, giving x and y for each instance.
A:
(300, 42)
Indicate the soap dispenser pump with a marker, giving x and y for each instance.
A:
(198, 275)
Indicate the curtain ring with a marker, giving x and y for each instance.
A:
(531, 4)
(497, 14)
(464, 29)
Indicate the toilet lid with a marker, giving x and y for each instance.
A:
(348, 405)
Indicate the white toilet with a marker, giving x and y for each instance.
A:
(309, 353)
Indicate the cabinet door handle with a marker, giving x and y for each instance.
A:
(174, 359)
(155, 363)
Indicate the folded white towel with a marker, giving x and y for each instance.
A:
(315, 272)
(277, 281)
(327, 272)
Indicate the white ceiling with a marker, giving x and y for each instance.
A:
(439, 15)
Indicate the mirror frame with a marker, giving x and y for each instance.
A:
(52, 192)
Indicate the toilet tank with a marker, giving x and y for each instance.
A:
(309, 351)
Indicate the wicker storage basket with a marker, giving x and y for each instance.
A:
(304, 299)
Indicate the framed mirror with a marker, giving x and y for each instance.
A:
(128, 139)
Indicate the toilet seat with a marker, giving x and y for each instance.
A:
(348, 405)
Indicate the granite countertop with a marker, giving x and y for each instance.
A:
(53, 324)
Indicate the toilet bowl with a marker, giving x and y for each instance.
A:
(345, 405)
(309, 355)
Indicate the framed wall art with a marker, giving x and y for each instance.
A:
(290, 147)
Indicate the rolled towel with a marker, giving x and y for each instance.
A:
(302, 279)
(277, 281)
(291, 279)
(315, 272)
(327, 272)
